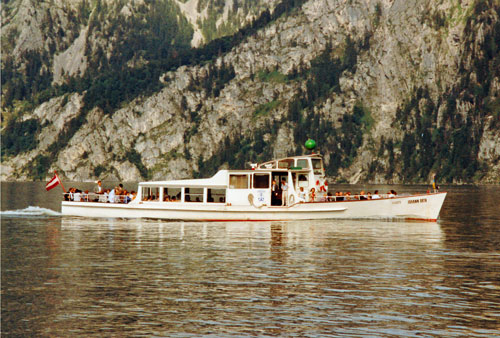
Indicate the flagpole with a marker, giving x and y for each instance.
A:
(55, 172)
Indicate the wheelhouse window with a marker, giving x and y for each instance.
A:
(261, 181)
(216, 196)
(285, 164)
(238, 181)
(268, 165)
(302, 163)
(171, 194)
(193, 194)
(150, 194)
(317, 166)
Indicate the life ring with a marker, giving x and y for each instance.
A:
(324, 186)
(291, 200)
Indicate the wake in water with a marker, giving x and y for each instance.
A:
(30, 212)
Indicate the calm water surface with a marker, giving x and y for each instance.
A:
(77, 277)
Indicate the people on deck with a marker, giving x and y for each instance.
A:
(302, 195)
(99, 189)
(77, 195)
(86, 196)
(112, 196)
(362, 195)
(284, 192)
(435, 186)
(312, 195)
(119, 189)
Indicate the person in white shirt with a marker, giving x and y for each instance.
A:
(99, 189)
(112, 196)
(284, 192)
(302, 195)
(375, 195)
(77, 196)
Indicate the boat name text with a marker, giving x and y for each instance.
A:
(421, 200)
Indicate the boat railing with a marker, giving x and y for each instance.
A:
(94, 197)
(357, 197)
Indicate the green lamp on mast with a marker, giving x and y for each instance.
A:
(310, 144)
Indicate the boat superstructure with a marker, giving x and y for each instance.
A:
(258, 194)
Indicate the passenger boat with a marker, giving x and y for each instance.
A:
(250, 195)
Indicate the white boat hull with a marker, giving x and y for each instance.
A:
(418, 207)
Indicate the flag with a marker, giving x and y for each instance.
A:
(53, 182)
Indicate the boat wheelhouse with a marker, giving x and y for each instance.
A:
(257, 194)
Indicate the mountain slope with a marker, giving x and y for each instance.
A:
(393, 91)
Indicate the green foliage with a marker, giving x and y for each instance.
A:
(364, 115)
(135, 158)
(451, 150)
(26, 84)
(265, 108)
(39, 167)
(20, 136)
(378, 14)
(161, 36)
(99, 170)
(339, 144)
(272, 76)
(438, 20)
(68, 132)
(217, 78)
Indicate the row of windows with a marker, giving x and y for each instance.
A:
(244, 181)
(190, 195)
(300, 163)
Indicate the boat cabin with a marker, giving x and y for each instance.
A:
(259, 186)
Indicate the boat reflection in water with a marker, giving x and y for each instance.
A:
(277, 232)
(255, 276)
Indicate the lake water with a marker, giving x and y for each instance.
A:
(78, 277)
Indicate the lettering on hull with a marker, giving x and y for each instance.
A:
(421, 200)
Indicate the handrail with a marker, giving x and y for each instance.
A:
(94, 197)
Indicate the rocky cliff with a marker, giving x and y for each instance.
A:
(393, 91)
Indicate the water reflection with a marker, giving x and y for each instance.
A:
(69, 276)
(247, 278)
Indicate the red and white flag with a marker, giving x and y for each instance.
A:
(53, 182)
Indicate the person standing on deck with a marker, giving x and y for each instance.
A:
(99, 189)
(274, 193)
(435, 187)
(284, 192)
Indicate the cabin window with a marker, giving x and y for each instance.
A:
(216, 196)
(303, 163)
(193, 194)
(317, 166)
(238, 181)
(285, 164)
(303, 182)
(150, 194)
(261, 181)
(171, 194)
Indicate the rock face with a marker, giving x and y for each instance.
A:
(414, 73)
